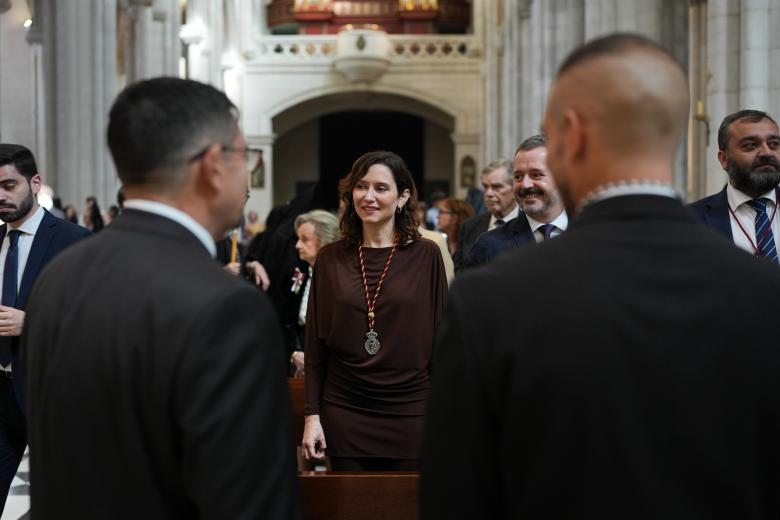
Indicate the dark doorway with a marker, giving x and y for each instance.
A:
(345, 136)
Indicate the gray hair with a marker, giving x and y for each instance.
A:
(326, 225)
(498, 163)
(535, 141)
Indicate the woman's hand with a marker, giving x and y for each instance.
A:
(297, 359)
(259, 274)
(313, 442)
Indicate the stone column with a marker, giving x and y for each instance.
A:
(203, 36)
(723, 64)
(79, 40)
(754, 61)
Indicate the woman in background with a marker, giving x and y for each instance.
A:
(452, 213)
(314, 229)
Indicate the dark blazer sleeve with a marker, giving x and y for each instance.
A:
(459, 475)
(233, 410)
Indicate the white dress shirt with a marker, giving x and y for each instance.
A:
(28, 230)
(178, 216)
(509, 216)
(746, 216)
(560, 223)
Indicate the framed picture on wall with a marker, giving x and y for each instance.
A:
(468, 172)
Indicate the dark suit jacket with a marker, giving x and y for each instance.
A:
(714, 211)
(468, 234)
(53, 235)
(505, 238)
(633, 383)
(155, 383)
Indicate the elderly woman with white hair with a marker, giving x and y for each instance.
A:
(314, 229)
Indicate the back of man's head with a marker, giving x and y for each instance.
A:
(632, 88)
(750, 116)
(158, 125)
(20, 158)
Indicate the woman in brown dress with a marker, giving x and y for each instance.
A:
(370, 326)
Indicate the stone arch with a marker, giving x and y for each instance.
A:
(296, 122)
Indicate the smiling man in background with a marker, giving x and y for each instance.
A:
(543, 216)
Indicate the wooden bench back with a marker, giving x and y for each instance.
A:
(360, 496)
(297, 398)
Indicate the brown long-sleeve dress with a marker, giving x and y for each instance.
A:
(372, 406)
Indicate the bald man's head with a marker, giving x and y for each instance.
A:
(621, 97)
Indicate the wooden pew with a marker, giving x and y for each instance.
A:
(360, 496)
(297, 398)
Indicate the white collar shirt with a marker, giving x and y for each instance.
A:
(745, 236)
(512, 214)
(28, 230)
(561, 222)
(178, 216)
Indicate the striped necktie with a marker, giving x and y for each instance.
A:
(765, 240)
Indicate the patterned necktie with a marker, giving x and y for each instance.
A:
(10, 282)
(765, 241)
(546, 230)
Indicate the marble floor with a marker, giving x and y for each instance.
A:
(18, 503)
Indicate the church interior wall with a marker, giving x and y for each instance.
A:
(296, 159)
(17, 63)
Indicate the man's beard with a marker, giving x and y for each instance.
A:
(538, 207)
(21, 211)
(751, 182)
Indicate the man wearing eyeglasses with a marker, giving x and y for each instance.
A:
(156, 379)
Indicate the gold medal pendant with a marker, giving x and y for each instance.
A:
(372, 343)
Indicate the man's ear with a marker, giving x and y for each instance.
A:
(575, 139)
(209, 168)
(35, 184)
(723, 159)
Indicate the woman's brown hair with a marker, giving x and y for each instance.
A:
(461, 210)
(405, 224)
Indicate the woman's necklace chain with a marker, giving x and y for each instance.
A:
(372, 342)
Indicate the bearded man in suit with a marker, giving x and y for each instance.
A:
(543, 216)
(30, 238)
(635, 379)
(745, 211)
(155, 378)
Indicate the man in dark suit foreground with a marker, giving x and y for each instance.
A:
(30, 238)
(638, 379)
(745, 211)
(543, 216)
(155, 378)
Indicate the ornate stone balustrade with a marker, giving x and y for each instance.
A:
(403, 49)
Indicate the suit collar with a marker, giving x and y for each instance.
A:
(40, 245)
(717, 214)
(136, 221)
(631, 207)
(519, 230)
